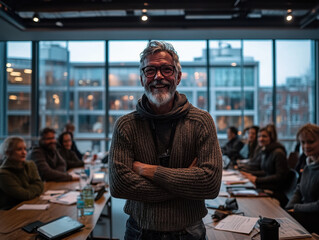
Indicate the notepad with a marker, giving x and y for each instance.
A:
(34, 207)
(54, 192)
(67, 198)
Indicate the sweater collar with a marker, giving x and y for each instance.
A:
(180, 108)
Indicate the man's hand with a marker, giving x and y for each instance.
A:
(74, 176)
(251, 177)
(145, 170)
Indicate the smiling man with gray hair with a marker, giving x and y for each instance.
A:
(165, 158)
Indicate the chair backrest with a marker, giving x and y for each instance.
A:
(291, 183)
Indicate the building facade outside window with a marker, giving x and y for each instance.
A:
(72, 84)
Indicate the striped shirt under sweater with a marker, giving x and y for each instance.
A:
(174, 199)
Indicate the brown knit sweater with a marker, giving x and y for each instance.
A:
(174, 199)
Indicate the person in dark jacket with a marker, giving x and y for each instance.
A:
(19, 179)
(304, 205)
(233, 146)
(65, 146)
(248, 150)
(51, 165)
(69, 127)
(273, 167)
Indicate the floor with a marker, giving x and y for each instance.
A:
(119, 221)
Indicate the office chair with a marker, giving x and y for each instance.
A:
(291, 183)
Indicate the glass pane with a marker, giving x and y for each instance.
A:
(124, 101)
(91, 100)
(19, 72)
(72, 77)
(19, 101)
(226, 85)
(192, 56)
(224, 122)
(54, 97)
(258, 79)
(124, 78)
(91, 123)
(19, 125)
(233, 100)
(55, 100)
(295, 87)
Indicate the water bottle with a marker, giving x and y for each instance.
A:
(88, 198)
(80, 206)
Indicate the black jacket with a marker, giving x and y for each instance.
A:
(273, 167)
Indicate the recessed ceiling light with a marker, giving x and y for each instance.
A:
(35, 18)
(144, 18)
(59, 23)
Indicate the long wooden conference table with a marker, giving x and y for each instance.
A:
(11, 221)
(251, 207)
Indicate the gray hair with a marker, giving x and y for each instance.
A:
(160, 46)
(9, 145)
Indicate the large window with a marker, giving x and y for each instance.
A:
(124, 78)
(72, 87)
(234, 80)
(295, 86)
(19, 72)
(192, 56)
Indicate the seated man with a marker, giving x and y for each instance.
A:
(51, 166)
(233, 146)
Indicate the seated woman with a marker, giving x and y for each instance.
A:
(19, 179)
(304, 204)
(273, 168)
(248, 150)
(65, 142)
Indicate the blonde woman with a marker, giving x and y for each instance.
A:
(19, 179)
(304, 205)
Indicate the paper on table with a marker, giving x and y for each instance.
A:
(34, 207)
(67, 198)
(229, 172)
(53, 192)
(235, 223)
(231, 178)
(290, 230)
(48, 197)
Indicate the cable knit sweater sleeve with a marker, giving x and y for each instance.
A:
(202, 181)
(124, 182)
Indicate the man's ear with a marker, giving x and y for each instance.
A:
(179, 77)
(142, 83)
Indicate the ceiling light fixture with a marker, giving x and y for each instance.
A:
(59, 24)
(289, 16)
(144, 17)
(35, 18)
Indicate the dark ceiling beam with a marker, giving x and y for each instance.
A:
(11, 17)
(159, 22)
(62, 6)
(310, 18)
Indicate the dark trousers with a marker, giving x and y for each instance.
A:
(194, 232)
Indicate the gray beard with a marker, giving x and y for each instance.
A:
(159, 99)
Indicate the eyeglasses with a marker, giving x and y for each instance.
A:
(166, 70)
